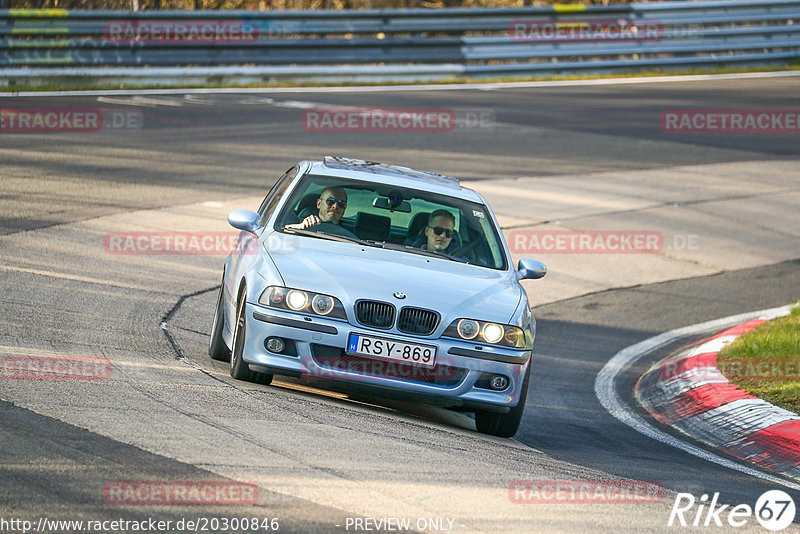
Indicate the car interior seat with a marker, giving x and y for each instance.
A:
(417, 225)
(307, 206)
(372, 227)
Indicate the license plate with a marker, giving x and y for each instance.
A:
(390, 349)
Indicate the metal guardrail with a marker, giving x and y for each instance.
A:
(410, 44)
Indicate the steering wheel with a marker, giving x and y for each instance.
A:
(333, 228)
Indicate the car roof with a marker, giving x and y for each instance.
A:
(382, 173)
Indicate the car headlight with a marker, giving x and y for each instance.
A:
(468, 329)
(322, 304)
(486, 332)
(297, 300)
(492, 332)
(301, 301)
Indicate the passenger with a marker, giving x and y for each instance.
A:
(440, 231)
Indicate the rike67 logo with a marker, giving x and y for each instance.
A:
(774, 510)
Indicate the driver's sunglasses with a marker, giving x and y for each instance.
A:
(340, 203)
(439, 229)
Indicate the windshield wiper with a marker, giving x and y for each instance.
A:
(326, 235)
(454, 258)
(422, 252)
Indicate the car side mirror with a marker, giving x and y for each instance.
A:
(244, 220)
(530, 269)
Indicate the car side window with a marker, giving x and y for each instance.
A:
(275, 194)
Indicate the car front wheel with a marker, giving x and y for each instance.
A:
(504, 425)
(239, 369)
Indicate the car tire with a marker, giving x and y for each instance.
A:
(504, 425)
(239, 369)
(217, 348)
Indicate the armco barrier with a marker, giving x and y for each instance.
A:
(43, 46)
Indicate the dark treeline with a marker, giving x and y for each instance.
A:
(273, 4)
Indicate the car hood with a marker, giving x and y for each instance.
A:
(351, 272)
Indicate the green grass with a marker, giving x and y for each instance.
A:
(103, 86)
(766, 361)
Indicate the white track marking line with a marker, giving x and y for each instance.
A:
(138, 101)
(196, 99)
(76, 278)
(404, 88)
(605, 389)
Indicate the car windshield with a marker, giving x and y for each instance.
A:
(398, 218)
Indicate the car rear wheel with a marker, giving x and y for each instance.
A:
(217, 348)
(239, 368)
(504, 425)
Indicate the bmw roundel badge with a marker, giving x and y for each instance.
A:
(399, 295)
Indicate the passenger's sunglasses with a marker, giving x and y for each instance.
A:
(331, 201)
(439, 229)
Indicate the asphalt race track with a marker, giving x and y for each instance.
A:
(320, 460)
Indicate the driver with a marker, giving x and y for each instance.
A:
(331, 204)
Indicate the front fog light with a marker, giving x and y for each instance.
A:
(498, 382)
(493, 332)
(296, 300)
(467, 328)
(322, 304)
(275, 344)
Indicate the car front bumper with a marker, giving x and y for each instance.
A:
(316, 352)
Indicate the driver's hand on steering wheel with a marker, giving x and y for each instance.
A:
(311, 220)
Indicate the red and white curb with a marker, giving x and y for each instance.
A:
(608, 388)
(688, 392)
